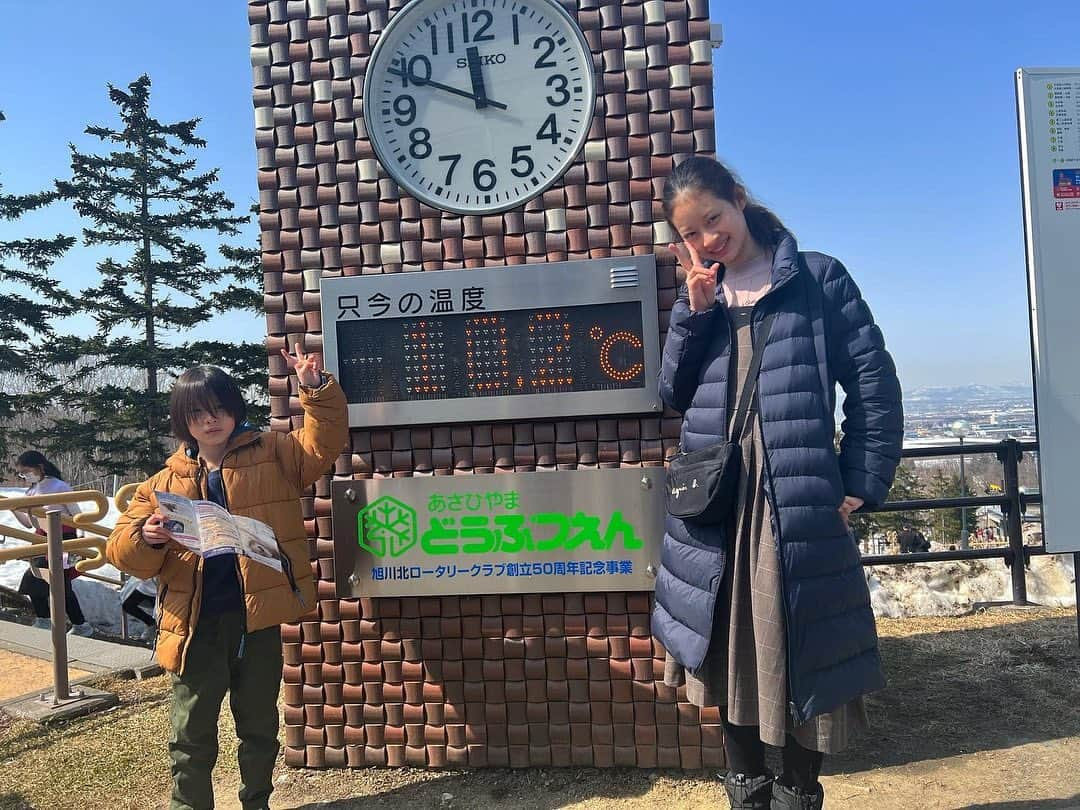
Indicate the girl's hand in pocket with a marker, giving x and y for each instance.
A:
(850, 504)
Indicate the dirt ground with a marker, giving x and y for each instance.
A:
(23, 674)
(981, 713)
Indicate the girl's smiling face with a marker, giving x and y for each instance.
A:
(714, 227)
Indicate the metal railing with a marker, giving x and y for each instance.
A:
(1012, 502)
(54, 548)
(51, 508)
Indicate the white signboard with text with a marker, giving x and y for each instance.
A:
(1048, 104)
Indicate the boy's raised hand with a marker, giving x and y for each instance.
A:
(306, 366)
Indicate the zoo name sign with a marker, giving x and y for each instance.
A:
(587, 530)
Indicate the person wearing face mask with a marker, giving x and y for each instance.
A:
(43, 478)
(761, 603)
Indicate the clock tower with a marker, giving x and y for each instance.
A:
(511, 178)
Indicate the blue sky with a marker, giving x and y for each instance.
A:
(882, 133)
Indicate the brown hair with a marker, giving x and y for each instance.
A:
(699, 173)
(207, 388)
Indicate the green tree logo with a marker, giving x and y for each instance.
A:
(386, 525)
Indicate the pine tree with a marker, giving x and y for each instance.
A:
(948, 522)
(246, 361)
(146, 197)
(906, 487)
(28, 302)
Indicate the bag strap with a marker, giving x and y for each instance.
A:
(742, 412)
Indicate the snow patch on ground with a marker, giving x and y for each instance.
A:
(953, 588)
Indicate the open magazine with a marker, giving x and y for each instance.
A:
(207, 529)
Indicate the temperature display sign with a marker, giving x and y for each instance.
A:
(588, 348)
(528, 341)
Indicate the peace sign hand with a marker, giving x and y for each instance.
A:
(306, 366)
(700, 280)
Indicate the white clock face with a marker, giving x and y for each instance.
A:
(476, 106)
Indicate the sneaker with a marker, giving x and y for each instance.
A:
(84, 629)
(42, 624)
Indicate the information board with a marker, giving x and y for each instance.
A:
(520, 342)
(1048, 102)
(581, 530)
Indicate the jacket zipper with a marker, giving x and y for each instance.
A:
(194, 583)
(236, 564)
(796, 714)
(286, 565)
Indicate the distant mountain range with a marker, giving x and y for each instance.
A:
(968, 397)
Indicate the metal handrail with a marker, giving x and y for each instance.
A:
(965, 449)
(1012, 502)
(83, 520)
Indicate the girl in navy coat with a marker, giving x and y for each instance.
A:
(768, 614)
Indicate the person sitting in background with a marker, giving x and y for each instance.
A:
(921, 543)
(908, 539)
(44, 478)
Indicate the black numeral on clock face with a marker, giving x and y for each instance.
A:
(405, 107)
(484, 19)
(549, 130)
(453, 160)
(417, 70)
(548, 44)
(420, 143)
(473, 29)
(519, 158)
(560, 84)
(483, 178)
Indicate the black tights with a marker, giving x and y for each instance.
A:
(746, 754)
(133, 607)
(38, 592)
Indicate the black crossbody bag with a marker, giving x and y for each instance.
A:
(702, 485)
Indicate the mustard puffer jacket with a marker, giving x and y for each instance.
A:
(264, 474)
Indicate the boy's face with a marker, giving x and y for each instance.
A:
(211, 428)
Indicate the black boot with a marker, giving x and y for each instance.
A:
(748, 793)
(791, 798)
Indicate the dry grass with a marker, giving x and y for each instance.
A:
(977, 683)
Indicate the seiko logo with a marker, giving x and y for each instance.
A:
(485, 59)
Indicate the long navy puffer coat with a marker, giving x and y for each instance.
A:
(823, 334)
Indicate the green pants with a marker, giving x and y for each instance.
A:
(251, 674)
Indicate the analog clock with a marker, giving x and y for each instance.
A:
(476, 106)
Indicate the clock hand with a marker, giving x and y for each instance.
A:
(477, 77)
(420, 82)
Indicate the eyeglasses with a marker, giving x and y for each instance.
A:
(23, 476)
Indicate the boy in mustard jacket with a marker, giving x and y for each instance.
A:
(219, 619)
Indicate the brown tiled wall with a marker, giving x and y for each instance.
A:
(570, 679)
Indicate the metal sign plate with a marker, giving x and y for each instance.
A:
(558, 532)
(518, 342)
